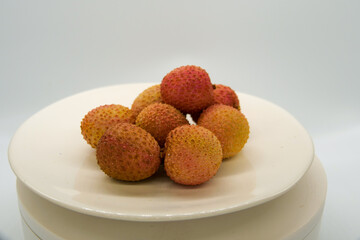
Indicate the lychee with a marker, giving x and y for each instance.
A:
(187, 88)
(225, 95)
(145, 98)
(159, 119)
(222, 95)
(127, 152)
(229, 125)
(99, 119)
(193, 155)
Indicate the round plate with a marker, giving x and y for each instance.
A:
(49, 155)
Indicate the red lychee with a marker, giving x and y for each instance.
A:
(225, 95)
(187, 88)
(127, 152)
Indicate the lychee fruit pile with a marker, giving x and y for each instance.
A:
(133, 143)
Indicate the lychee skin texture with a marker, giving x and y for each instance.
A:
(193, 155)
(229, 125)
(99, 119)
(145, 98)
(127, 152)
(187, 88)
(159, 119)
(222, 95)
(225, 95)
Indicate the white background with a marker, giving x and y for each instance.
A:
(302, 55)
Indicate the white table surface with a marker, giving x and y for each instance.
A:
(301, 55)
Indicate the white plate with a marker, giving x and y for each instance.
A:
(49, 155)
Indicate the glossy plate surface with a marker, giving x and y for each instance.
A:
(49, 155)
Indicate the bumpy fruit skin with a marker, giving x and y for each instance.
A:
(127, 152)
(99, 119)
(193, 155)
(225, 95)
(159, 119)
(145, 98)
(187, 88)
(222, 95)
(229, 125)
